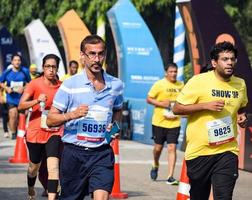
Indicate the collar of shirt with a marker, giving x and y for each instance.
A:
(106, 78)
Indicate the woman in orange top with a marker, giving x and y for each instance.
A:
(39, 95)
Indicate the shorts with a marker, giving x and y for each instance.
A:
(220, 171)
(11, 105)
(168, 135)
(85, 170)
(50, 149)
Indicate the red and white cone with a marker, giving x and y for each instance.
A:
(116, 191)
(20, 154)
(184, 186)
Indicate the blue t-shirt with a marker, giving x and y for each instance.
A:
(15, 79)
(88, 131)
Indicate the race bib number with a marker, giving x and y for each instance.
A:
(15, 85)
(220, 131)
(43, 124)
(93, 126)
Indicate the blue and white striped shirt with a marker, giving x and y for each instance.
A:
(88, 131)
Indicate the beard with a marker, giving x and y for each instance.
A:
(224, 74)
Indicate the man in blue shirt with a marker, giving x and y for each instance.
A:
(13, 81)
(87, 103)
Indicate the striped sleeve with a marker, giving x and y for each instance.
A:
(62, 97)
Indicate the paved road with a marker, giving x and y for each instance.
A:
(135, 163)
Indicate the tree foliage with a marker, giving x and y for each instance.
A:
(19, 13)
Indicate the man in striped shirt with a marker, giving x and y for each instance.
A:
(87, 103)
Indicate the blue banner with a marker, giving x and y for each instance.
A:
(8, 48)
(139, 63)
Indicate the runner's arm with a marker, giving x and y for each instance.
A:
(57, 118)
(162, 104)
(180, 109)
(26, 102)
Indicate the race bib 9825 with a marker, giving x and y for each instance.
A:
(220, 131)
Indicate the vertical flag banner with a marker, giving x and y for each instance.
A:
(7, 48)
(72, 31)
(178, 58)
(179, 45)
(139, 63)
(40, 43)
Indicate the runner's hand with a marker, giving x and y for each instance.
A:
(81, 111)
(215, 105)
(109, 128)
(20, 90)
(165, 104)
(242, 120)
(8, 90)
(42, 97)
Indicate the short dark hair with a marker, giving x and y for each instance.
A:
(222, 47)
(174, 65)
(91, 39)
(16, 55)
(73, 62)
(51, 56)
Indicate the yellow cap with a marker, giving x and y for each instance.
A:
(33, 66)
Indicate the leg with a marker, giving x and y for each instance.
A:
(172, 156)
(43, 175)
(172, 135)
(73, 173)
(224, 176)
(13, 121)
(52, 152)
(35, 154)
(53, 177)
(31, 177)
(199, 173)
(102, 176)
(101, 195)
(5, 117)
(159, 140)
(156, 153)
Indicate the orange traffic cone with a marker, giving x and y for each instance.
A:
(20, 155)
(184, 186)
(116, 191)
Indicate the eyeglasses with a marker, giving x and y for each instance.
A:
(92, 55)
(52, 67)
(225, 59)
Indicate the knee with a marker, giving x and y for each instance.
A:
(53, 168)
(13, 113)
(171, 148)
(33, 169)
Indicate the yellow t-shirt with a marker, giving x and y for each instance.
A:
(203, 126)
(66, 76)
(165, 90)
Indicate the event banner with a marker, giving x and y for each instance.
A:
(139, 63)
(40, 43)
(72, 34)
(7, 48)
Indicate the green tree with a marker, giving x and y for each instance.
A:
(16, 15)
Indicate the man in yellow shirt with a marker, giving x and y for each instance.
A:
(165, 125)
(214, 102)
(73, 69)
